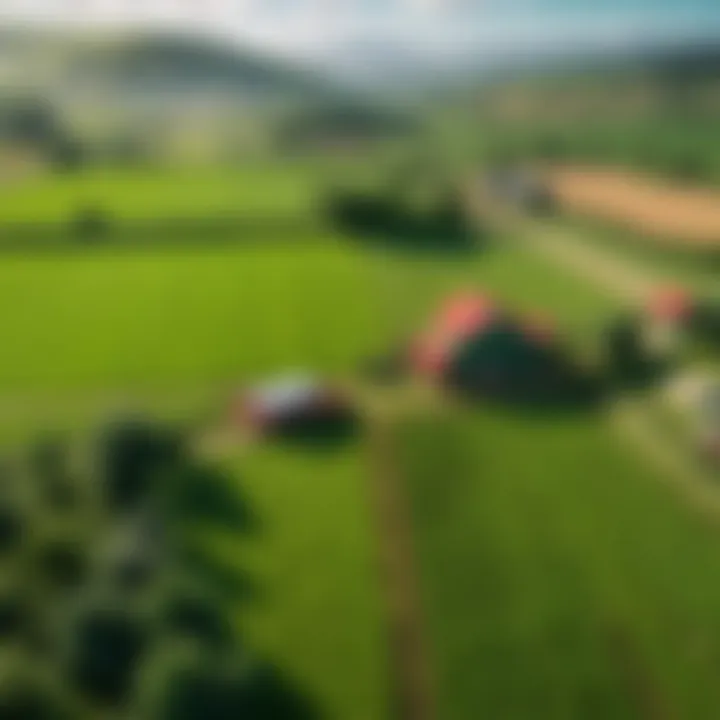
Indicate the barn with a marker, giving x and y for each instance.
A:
(294, 404)
(474, 345)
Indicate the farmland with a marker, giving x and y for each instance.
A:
(554, 568)
(160, 193)
(664, 212)
(580, 591)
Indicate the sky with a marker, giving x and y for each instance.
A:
(441, 28)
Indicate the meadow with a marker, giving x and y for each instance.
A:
(561, 580)
(156, 193)
(558, 575)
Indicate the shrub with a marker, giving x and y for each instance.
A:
(134, 456)
(90, 223)
(106, 648)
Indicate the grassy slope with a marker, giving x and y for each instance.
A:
(156, 194)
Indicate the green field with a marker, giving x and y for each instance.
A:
(176, 330)
(159, 193)
(559, 578)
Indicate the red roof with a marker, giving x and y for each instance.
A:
(461, 317)
(672, 303)
(467, 315)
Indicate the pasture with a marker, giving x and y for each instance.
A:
(157, 193)
(558, 576)
(561, 579)
(176, 330)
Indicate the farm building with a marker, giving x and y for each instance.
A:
(293, 404)
(475, 345)
(522, 188)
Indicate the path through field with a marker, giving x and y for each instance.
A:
(632, 284)
(635, 425)
(413, 685)
(607, 272)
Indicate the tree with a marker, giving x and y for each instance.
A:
(106, 646)
(134, 455)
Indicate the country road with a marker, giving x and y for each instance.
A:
(630, 283)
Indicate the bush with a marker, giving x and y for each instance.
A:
(12, 528)
(90, 223)
(134, 456)
(106, 648)
(193, 615)
(63, 564)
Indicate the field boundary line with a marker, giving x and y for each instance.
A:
(413, 685)
(693, 485)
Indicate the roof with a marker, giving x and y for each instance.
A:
(671, 303)
(285, 393)
(462, 316)
(469, 315)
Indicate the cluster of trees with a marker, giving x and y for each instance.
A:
(629, 361)
(344, 122)
(684, 150)
(110, 604)
(33, 123)
(391, 217)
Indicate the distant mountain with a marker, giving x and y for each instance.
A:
(155, 67)
(176, 66)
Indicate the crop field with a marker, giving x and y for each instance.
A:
(561, 580)
(661, 212)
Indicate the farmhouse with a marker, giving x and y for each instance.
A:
(670, 312)
(474, 345)
(291, 403)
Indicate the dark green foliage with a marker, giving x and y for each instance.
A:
(90, 223)
(503, 364)
(389, 218)
(191, 684)
(627, 361)
(196, 616)
(68, 155)
(63, 564)
(30, 121)
(206, 495)
(106, 648)
(12, 527)
(134, 455)
(30, 698)
(14, 615)
(705, 323)
(96, 608)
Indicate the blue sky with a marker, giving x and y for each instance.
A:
(440, 27)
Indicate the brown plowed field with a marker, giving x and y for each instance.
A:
(656, 209)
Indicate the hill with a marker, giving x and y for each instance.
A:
(153, 66)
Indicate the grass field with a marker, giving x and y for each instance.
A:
(560, 580)
(694, 267)
(158, 193)
(174, 330)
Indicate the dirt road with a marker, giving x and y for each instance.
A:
(413, 680)
(632, 284)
